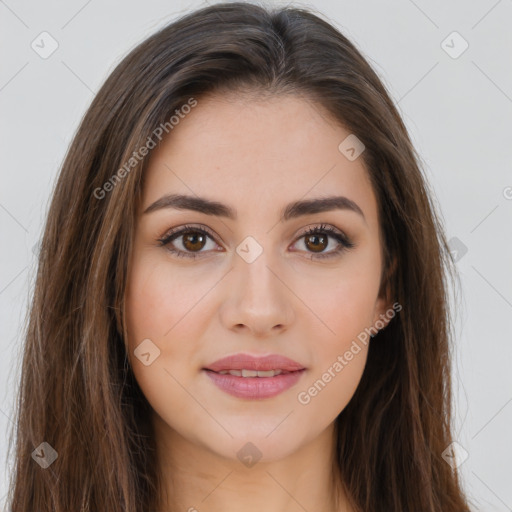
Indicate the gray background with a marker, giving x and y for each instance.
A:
(458, 111)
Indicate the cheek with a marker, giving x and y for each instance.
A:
(342, 294)
(343, 302)
(334, 382)
(337, 371)
(151, 312)
(166, 305)
(345, 305)
(159, 299)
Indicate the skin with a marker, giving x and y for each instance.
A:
(256, 156)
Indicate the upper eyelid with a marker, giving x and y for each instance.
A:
(184, 229)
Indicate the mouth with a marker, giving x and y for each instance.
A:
(252, 373)
(253, 376)
(254, 384)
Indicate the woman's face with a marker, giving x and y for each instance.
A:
(254, 283)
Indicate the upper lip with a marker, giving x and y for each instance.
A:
(250, 362)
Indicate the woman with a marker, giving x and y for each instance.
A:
(241, 299)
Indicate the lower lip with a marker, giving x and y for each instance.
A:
(255, 387)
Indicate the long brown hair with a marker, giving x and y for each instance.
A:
(77, 390)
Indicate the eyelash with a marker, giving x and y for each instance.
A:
(344, 242)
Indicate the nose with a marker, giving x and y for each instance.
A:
(258, 299)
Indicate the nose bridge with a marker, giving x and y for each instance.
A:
(252, 268)
(260, 300)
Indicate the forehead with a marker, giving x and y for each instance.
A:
(257, 154)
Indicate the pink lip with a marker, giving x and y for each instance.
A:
(255, 387)
(250, 362)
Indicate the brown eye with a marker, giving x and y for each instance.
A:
(316, 243)
(189, 242)
(194, 241)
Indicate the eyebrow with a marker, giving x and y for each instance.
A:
(291, 211)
